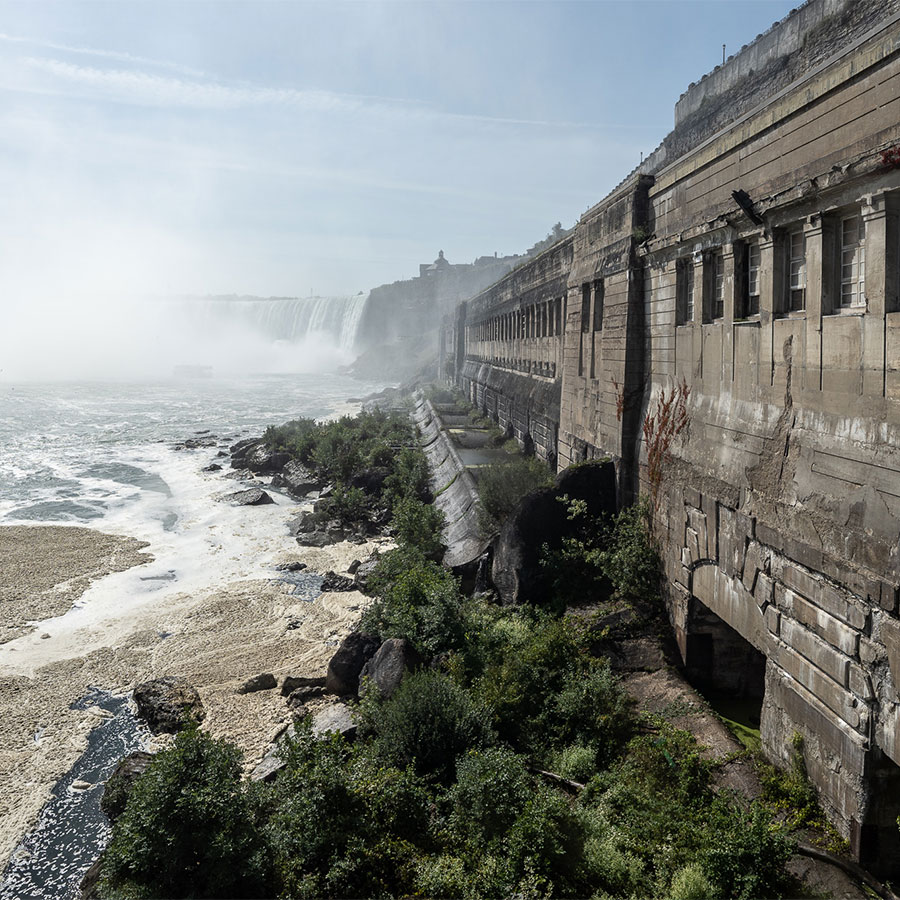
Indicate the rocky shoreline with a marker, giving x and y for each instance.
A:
(216, 640)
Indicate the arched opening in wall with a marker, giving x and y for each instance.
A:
(726, 668)
(528, 444)
(876, 842)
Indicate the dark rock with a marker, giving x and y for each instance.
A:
(385, 670)
(292, 682)
(303, 695)
(355, 651)
(212, 467)
(540, 518)
(222, 453)
(240, 475)
(265, 681)
(168, 704)
(318, 539)
(119, 784)
(290, 567)
(338, 717)
(249, 497)
(296, 479)
(195, 443)
(334, 582)
(371, 481)
(351, 569)
(90, 884)
(364, 572)
(254, 455)
(299, 710)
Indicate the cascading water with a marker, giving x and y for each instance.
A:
(255, 334)
(283, 318)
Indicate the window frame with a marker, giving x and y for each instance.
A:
(855, 297)
(685, 290)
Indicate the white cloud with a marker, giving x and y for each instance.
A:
(118, 55)
(146, 89)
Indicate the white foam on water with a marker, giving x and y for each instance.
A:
(211, 543)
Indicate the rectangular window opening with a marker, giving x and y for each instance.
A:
(598, 304)
(852, 262)
(796, 270)
(684, 292)
(585, 307)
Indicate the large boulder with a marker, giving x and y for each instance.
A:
(371, 480)
(337, 717)
(292, 683)
(337, 583)
(296, 479)
(119, 784)
(169, 704)
(364, 571)
(249, 497)
(254, 455)
(385, 670)
(346, 665)
(265, 681)
(541, 518)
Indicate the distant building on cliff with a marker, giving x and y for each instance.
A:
(747, 275)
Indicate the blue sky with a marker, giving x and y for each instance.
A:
(284, 148)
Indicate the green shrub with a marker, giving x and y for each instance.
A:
(610, 558)
(577, 762)
(409, 476)
(342, 823)
(416, 599)
(419, 525)
(189, 828)
(547, 691)
(501, 486)
(745, 854)
(349, 505)
(428, 722)
(491, 790)
(690, 883)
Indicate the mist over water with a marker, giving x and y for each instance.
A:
(116, 338)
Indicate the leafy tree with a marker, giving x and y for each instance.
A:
(189, 828)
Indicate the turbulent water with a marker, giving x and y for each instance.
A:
(105, 456)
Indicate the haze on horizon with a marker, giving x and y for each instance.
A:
(162, 148)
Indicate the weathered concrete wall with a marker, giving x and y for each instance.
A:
(456, 495)
(757, 264)
(780, 506)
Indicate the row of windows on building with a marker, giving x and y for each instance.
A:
(536, 320)
(701, 279)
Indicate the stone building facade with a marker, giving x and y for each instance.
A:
(747, 276)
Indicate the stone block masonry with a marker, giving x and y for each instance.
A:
(753, 258)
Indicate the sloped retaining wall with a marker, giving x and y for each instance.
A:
(456, 495)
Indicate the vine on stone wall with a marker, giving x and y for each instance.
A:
(891, 157)
(661, 429)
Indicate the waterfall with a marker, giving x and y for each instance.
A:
(291, 319)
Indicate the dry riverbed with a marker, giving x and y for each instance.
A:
(216, 640)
